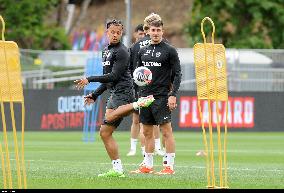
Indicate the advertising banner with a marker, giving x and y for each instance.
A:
(63, 110)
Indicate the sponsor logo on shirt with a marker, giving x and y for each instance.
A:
(106, 63)
(106, 54)
(147, 52)
(151, 63)
(158, 54)
(144, 43)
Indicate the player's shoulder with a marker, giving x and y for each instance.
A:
(122, 48)
(143, 42)
(169, 46)
(144, 48)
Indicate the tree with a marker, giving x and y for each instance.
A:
(240, 24)
(26, 24)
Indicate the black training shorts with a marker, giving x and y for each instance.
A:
(116, 100)
(157, 113)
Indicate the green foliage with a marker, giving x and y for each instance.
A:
(26, 24)
(240, 24)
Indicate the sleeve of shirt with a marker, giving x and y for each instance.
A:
(99, 90)
(139, 61)
(118, 69)
(176, 72)
(131, 64)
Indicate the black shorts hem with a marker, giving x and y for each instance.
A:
(114, 124)
(163, 122)
(148, 123)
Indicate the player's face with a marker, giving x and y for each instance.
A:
(114, 33)
(139, 35)
(156, 34)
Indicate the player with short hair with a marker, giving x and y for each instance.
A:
(117, 78)
(139, 32)
(134, 49)
(163, 61)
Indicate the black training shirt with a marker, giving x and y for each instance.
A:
(116, 75)
(162, 59)
(134, 49)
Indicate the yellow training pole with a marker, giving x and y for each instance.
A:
(23, 149)
(216, 98)
(211, 81)
(209, 107)
(5, 137)
(13, 125)
(1, 149)
(12, 91)
(225, 148)
(3, 167)
(205, 146)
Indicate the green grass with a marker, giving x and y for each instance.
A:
(61, 160)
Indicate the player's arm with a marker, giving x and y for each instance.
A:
(119, 67)
(92, 97)
(131, 64)
(139, 61)
(176, 72)
(175, 78)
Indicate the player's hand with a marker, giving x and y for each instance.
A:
(172, 103)
(81, 83)
(89, 99)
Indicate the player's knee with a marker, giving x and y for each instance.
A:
(135, 122)
(135, 119)
(148, 134)
(167, 134)
(104, 134)
(109, 118)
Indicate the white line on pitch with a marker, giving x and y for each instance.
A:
(177, 166)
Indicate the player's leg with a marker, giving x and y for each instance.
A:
(134, 132)
(169, 157)
(117, 107)
(120, 112)
(148, 161)
(142, 140)
(149, 145)
(111, 147)
(162, 116)
(146, 118)
(126, 109)
(158, 149)
(109, 142)
(163, 143)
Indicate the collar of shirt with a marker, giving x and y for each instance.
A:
(113, 45)
(160, 43)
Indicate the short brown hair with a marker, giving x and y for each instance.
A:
(157, 23)
(150, 18)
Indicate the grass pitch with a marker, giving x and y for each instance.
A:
(61, 160)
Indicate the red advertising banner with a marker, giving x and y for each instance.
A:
(240, 112)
